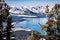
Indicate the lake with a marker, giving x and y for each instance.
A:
(32, 23)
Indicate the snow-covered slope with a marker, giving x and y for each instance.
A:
(21, 28)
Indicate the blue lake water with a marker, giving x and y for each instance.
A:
(32, 23)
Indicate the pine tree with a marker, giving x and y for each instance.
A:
(9, 30)
(1, 27)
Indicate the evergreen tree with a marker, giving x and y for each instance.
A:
(1, 27)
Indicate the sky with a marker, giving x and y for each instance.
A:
(30, 3)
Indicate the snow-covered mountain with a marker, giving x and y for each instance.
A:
(23, 10)
(27, 12)
(16, 10)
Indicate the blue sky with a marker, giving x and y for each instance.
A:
(29, 3)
